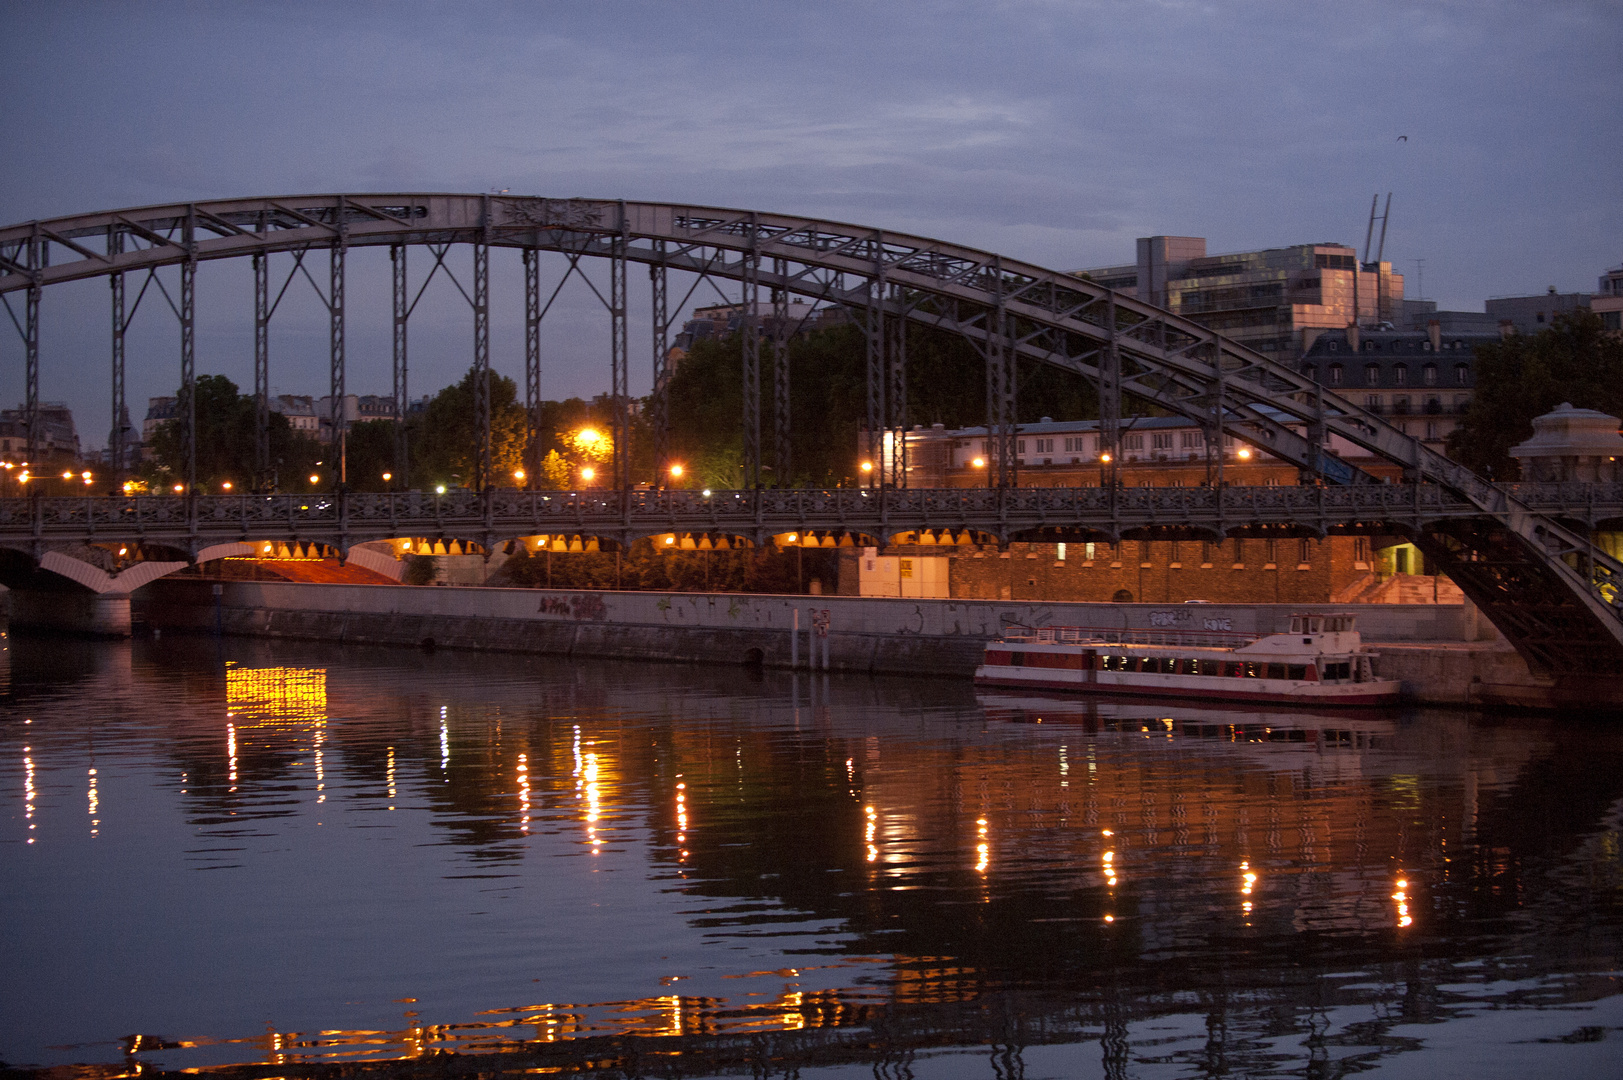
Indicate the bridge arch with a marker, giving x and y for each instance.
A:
(1541, 580)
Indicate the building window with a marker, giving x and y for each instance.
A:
(1400, 405)
(1087, 552)
(1462, 374)
(1020, 446)
(1372, 374)
(1360, 553)
(1059, 552)
(1311, 371)
(1372, 402)
(1305, 555)
(1400, 374)
(1161, 440)
(1431, 430)
(1205, 553)
(1428, 374)
(1132, 442)
(1193, 440)
(1335, 374)
(1272, 552)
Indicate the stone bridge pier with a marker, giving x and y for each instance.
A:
(83, 589)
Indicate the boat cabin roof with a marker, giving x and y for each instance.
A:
(1337, 622)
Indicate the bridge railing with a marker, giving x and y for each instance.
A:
(870, 510)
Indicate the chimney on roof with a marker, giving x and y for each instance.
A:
(1352, 336)
(1434, 330)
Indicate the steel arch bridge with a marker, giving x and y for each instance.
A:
(1536, 574)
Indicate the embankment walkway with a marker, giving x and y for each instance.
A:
(1443, 653)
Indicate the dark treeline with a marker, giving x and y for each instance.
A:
(828, 408)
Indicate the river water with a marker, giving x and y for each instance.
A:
(244, 855)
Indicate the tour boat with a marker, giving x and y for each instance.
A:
(1320, 661)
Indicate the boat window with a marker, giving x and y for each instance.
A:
(1276, 671)
(1017, 659)
(1315, 625)
(1296, 624)
(1255, 670)
(1296, 671)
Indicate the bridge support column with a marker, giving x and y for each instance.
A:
(751, 340)
(402, 394)
(877, 414)
(619, 383)
(481, 347)
(662, 375)
(532, 369)
(262, 453)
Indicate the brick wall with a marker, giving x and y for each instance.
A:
(1158, 571)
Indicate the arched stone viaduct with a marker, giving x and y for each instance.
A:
(1530, 565)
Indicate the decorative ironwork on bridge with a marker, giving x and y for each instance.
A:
(1535, 572)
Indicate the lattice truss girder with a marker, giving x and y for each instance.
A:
(1048, 316)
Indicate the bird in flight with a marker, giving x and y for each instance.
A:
(1403, 138)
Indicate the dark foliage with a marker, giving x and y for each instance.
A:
(1574, 360)
(225, 443)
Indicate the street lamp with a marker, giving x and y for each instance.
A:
(518, 474)
(676, 472)
(588, 474)
(225, 485)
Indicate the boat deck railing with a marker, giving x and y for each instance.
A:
(1098, 635)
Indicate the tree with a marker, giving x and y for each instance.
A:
(444, 438)
(225, 443)
(1575, 359)
(828, 400)
(369, 453)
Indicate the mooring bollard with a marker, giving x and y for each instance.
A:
(820, 620)
(794, 642)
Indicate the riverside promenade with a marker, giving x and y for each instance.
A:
(1445, 654)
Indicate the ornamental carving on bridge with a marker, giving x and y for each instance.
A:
(556, 213)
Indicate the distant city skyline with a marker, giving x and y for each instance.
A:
(1057, 133)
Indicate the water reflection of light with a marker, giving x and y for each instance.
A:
(1064, 769)
(1248, 879)
(983, 848)
(1108, 859)
(1402, 898)
(594, 802)
(321, 767)
(523, 794)
(445, 745)
(275, 695)
(95, 804)
(231, 752)
(390, 778)
(29, 792)
(871, 832)
(681, 814)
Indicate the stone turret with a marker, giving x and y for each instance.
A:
(1571, 444)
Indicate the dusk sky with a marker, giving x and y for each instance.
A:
(1055, 132)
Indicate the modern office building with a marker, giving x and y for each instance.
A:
(1275, 301)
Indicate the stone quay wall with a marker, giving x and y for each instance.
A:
(1443, 653)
